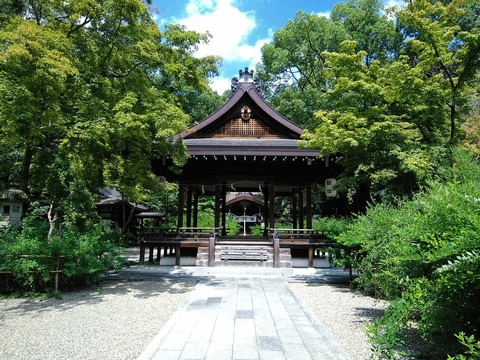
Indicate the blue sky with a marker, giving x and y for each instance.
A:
(239, 28)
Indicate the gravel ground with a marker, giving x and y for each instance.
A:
(343, 311)
(114, 321)
(120, 318)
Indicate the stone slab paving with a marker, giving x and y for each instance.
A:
(243, 318)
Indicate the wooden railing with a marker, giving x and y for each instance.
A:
(302, 238)
(300, 235)
(178, 238)
(56, 266)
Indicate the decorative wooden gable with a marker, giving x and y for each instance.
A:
(245, 115)
(245, 124)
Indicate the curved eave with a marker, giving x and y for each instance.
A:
(248, 147)
(248, 198)
(244, 89)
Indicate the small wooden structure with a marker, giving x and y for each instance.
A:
(124, 214)
(246, 146)
(11, 207)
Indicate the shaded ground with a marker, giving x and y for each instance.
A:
(116, 320)
(343, 311)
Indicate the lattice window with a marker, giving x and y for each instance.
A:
(241, 128)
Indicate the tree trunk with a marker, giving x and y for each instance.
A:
(452, 121)
(52, 219)
(25, 171)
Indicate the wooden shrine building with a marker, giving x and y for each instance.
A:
(245, 146)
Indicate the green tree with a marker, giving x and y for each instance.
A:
(444, 41)
(424, 255)
(36, 65)
(387, 131)
(293, 65)
(374, 33)
(90, 92)
(200, 104)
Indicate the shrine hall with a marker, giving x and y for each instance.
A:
(244, 150)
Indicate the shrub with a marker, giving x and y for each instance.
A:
(30, 257)
(424, 255)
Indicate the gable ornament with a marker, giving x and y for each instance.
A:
(245, 113)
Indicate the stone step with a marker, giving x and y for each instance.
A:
(223, 263)
(247, 255)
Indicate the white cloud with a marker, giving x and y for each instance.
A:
(325, 14)
(390, 3)
(230, 29)
(221, 84)
(397, 4)
(228, 26)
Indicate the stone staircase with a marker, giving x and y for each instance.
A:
(252, 253)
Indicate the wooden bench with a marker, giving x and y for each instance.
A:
(244, 254)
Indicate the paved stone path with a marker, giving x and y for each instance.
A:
(240, 318)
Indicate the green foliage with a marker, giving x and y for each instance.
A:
(472, 351)
(206, 217)
(425, 255)
(200, 104)
(30, 257)
(372, 30)
(90, 93)
(257, 230)
(386, 97)
(445, 46)
(233, 227)
(388, 136)
(331, 227)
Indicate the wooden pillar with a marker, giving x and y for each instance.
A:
(150, 254)
(195, 210)
(310, 257)
(189, 207)
(265, 211)
(141, 262)
(217, 205)
(294, 211)
(224, 209)
(177, 255)
(308, 201)
(271, 205)
(181, 201)
(300, 210)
